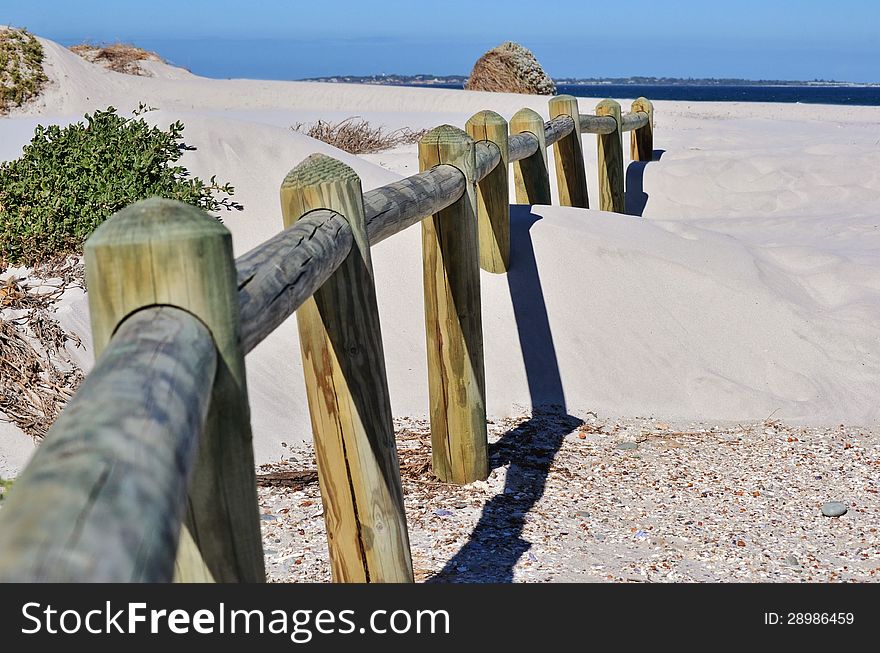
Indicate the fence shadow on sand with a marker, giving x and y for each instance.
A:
(496, 543)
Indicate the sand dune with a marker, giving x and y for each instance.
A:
(749, 286)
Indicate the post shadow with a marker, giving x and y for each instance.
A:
(496, 543)
(635, 197)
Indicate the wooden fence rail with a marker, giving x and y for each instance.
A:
(103, 497)
(148, 474)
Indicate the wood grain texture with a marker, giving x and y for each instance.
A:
(530, 176)
(453, 318)
(487, 158)
(103, 497)
(557, 128)
(276, 277)
(521, 146)
(633, 120)
(493, 196)
(392, 208)
(163, 252)
(591, 124)
(642, 139)
(347, 389)
(611, 197)
(571, 175)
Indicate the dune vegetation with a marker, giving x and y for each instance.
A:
(358, 136)
(21, 68)
(71, 179)
(119, 57)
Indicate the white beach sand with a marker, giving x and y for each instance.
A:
(750, 286)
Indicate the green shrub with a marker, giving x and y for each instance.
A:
(21, 67)
(70, 179)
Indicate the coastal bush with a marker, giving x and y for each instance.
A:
(358, 136)
(21, 67)
(71, 179)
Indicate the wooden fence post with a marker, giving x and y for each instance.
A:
(493, 196)
(347, 389)
(453, 319)
(160, 251)
(611, 194)
(571, 175)
(530, 175)
(642, 139)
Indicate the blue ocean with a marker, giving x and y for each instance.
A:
(853, 95)
(860, 95)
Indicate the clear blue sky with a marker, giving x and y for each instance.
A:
(756, 39)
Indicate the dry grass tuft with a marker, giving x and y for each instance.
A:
(37, 376)
(119, 57)
(510, 68)
(357, 136)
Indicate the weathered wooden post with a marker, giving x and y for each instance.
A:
(611, 195)
(347, 390)
(642, 139)
(571, 175)
(530, 175)
(493, 198)
(453, 319)
(163, 252)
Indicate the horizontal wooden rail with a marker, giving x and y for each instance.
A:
(275, 278)
(631, 121)
(488, 155)
(603, 125)
(557, 129)
(597, 124)
(103, 497)
(392, 208)
(522, 146)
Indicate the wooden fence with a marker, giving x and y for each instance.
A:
(148, 474)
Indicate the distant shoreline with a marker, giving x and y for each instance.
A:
(451, 80)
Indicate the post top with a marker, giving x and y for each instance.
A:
(563, 98)
(445, 134)
(319, 168)
(527, 114)
(486, 117)
(642, 104)
(156, 219)
(609, 104)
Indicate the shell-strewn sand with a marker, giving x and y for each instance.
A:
(569, 502)
(749, 287)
